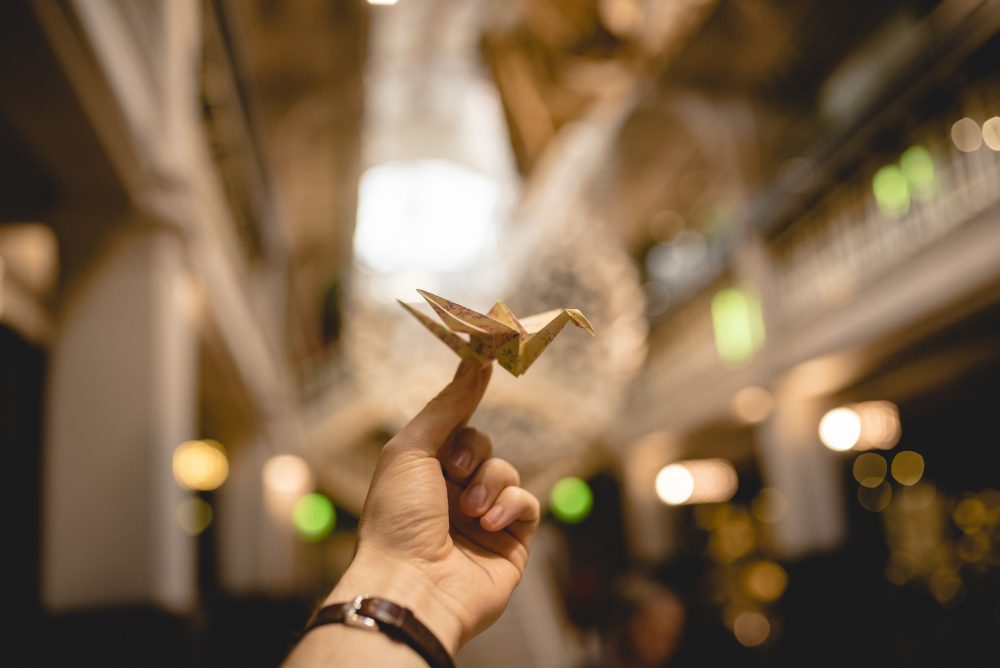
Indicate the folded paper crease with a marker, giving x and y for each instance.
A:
(498, 334)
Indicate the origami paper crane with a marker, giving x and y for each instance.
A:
(497, 335)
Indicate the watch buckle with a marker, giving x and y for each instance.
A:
(353, 618)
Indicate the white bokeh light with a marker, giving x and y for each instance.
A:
(674, 484)
(425, 216)
(697, 481)
(287, 474)
(840, 429)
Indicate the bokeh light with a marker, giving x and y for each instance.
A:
(571, 500)
(892, 192)
(970, 514)
(840, 429)
(287, 473)
(917, 167)
(945, 585)
(991, 133)
(870, 469)
(734, 537)
(875, 499)
(738, 324)
(974, 547)
(966, 135)
(907, 467)
(769, 505)
(880, 426)
(751, 628)
(765, 581)
(314, 516)
(753, 404)
(674, 484)
(696, 481)
(200, 465)
(431, 216)
(194, 515)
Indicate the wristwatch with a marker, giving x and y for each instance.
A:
(399, 623)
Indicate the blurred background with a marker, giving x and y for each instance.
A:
(783, 218)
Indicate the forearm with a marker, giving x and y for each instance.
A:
(338, 644)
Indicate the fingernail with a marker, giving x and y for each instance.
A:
(475, 496)
(493, 517)
(461, 457)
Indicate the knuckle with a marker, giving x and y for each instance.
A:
(485, 443)
(510, 472)
(502, 472)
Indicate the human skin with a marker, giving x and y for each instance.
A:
(445, 531)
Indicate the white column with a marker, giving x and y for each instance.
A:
(258, 548)
(122, 393)
(651, 526)
(795, 463)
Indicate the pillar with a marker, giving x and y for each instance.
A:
(122, 393)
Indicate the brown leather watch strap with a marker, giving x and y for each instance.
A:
(394, 620)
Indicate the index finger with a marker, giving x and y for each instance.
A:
(449, 410)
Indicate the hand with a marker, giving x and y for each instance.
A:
(445, 529)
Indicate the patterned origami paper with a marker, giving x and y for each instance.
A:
(497, 335)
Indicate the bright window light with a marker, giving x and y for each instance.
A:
(424, 216)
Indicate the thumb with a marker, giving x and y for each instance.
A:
(450, 409)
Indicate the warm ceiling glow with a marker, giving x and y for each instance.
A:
(200, 465)
(753, 404)
(966, 135)
(383, 3)
(840, 429)
(696, 481)
(907, 467)
(287, 473)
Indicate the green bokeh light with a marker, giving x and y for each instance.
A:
(892, 191)
(917, 166)
(314, 516)
(571, 500)
(738, 324)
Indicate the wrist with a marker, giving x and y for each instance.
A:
(402, 583)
